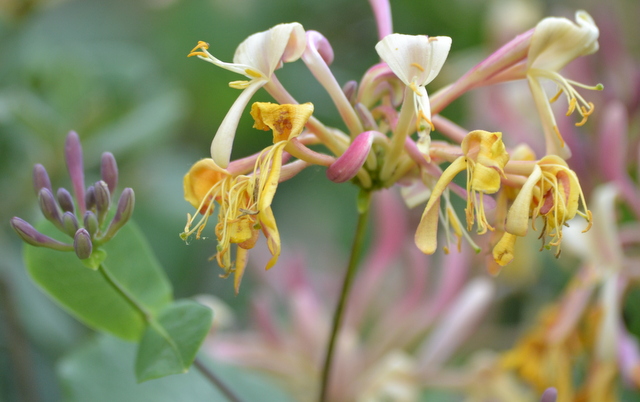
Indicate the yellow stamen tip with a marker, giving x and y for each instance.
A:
(418, 66)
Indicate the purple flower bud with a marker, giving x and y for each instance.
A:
(41, 178)
(69, 223)
(350, 89)
(90, 198)
(348, 164)
(123, 213)
(82, 244)
(109, 171)
(49, 207)
(73, 156)
(30, 235)
(65, 200)
(549, 395)
(91, 223)
(103, 199)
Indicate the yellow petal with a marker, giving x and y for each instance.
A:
(203, 175)
(286, 121)
(503, 251)
(518, 215)
(242, 256)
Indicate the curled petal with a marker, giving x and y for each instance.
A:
(557, 41)
(347, 165)
(286, 121)
(200, 178)
(264, 51)
(414, 58)
(223, 141)
(518, 215)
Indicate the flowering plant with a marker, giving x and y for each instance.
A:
(408, 304)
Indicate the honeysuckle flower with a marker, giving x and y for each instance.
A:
(484, 157)
(244, 200)
(256, 58)
(416, 60)
(552, 191)
(556, 42)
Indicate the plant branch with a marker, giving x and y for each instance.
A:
(222, 387)
(358, 241)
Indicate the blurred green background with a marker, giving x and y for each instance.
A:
(117, 73)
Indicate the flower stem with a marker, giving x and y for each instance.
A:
(358, 241)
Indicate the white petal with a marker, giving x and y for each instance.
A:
(414, 58)
(557, 41)
(223, 140)
(264, 51)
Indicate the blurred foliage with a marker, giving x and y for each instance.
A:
(117, 73)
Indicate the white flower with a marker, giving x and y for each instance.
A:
(416, 60)
(256, 58)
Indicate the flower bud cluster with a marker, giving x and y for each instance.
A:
(83, 218)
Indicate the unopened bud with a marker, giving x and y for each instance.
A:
(350, 89)
(30, 235)
(41, 178)
(91, 223)
(109, 171)
(82, 244)
(348, 164)
(123, 213)
(65, 200)
(49, 207)
(73, 156)
(367, 119)
(103, 199)
(549, 395)
(69, 223)
(90, 198)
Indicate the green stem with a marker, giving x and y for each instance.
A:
(222, 387)
(113, 281)
(358, 241)
(148, 317)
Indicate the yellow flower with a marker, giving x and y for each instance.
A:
(244, 201)
(552, 191)
(484, 157)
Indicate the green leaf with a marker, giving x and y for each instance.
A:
(102, 371)
(170, 343)
(89, 296)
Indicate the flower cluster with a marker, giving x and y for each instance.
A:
(381, 115)
(84, 219)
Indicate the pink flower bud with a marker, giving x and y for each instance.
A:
(348, 164)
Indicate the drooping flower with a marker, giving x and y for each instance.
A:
(552, 191)
(416, 60)
(244, 201)
(256, 58)
(484, 157)
(556, 42)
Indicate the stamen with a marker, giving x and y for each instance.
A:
(424, 117)
(418, 66)
(555, 128)
(239, 84)
(556, 96)
(572, 106)
(253, 73)
(201, 45)
(414, 88)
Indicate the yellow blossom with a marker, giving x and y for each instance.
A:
(244, 201)
(484, 157)
(552, 191)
